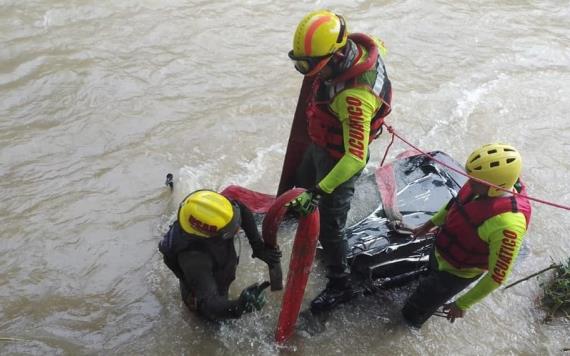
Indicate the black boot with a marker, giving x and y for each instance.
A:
(413, 316)
(338, 291)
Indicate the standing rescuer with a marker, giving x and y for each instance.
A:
(199, 249)
(480, 235)
(350, 97)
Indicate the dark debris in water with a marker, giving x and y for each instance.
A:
(556, 298)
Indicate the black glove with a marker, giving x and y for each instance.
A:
(253, 297)
(307, 201)
(265, 253)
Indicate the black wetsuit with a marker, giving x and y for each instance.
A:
(206, 267)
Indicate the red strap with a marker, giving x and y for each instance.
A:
(302, 256)
(275, 215)
(256, 202)
(367, 64)
(304, 249)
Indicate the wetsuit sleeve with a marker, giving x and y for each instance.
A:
(248, 225)
(354, 108)
(198, 276)
(504, 234)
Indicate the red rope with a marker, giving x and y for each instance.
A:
(394, 133)
(387, 148)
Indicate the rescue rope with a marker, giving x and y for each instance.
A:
(395, 134)
(387, 149)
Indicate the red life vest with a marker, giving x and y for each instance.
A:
(324, 127)
(458, 241)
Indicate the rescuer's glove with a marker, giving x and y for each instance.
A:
(306, 202)
(253, 297)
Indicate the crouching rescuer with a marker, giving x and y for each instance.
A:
(480, 235)
(199, 249)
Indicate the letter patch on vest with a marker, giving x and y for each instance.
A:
(356, 131)
(505, 256)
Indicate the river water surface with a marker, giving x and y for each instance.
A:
(100, 99)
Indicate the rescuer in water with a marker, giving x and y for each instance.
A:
(480, 235)
(350, 98)
(199, 249)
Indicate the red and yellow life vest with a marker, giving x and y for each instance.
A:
(324, 127)
(458, 241)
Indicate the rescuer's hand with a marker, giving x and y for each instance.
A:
(423, 230)
(453, 312)
(265, 253)
(306, 202)
(399, 227)
(253, 297)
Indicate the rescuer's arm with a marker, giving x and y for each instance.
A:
(248, 225)
(504, 234)
(265, 253)
(198, 268)
(354, 108)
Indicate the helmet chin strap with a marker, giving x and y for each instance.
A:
(344, 60)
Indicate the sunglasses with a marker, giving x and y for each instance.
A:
(306, 64)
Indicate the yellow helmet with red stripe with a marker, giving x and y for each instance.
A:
(319, 35)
